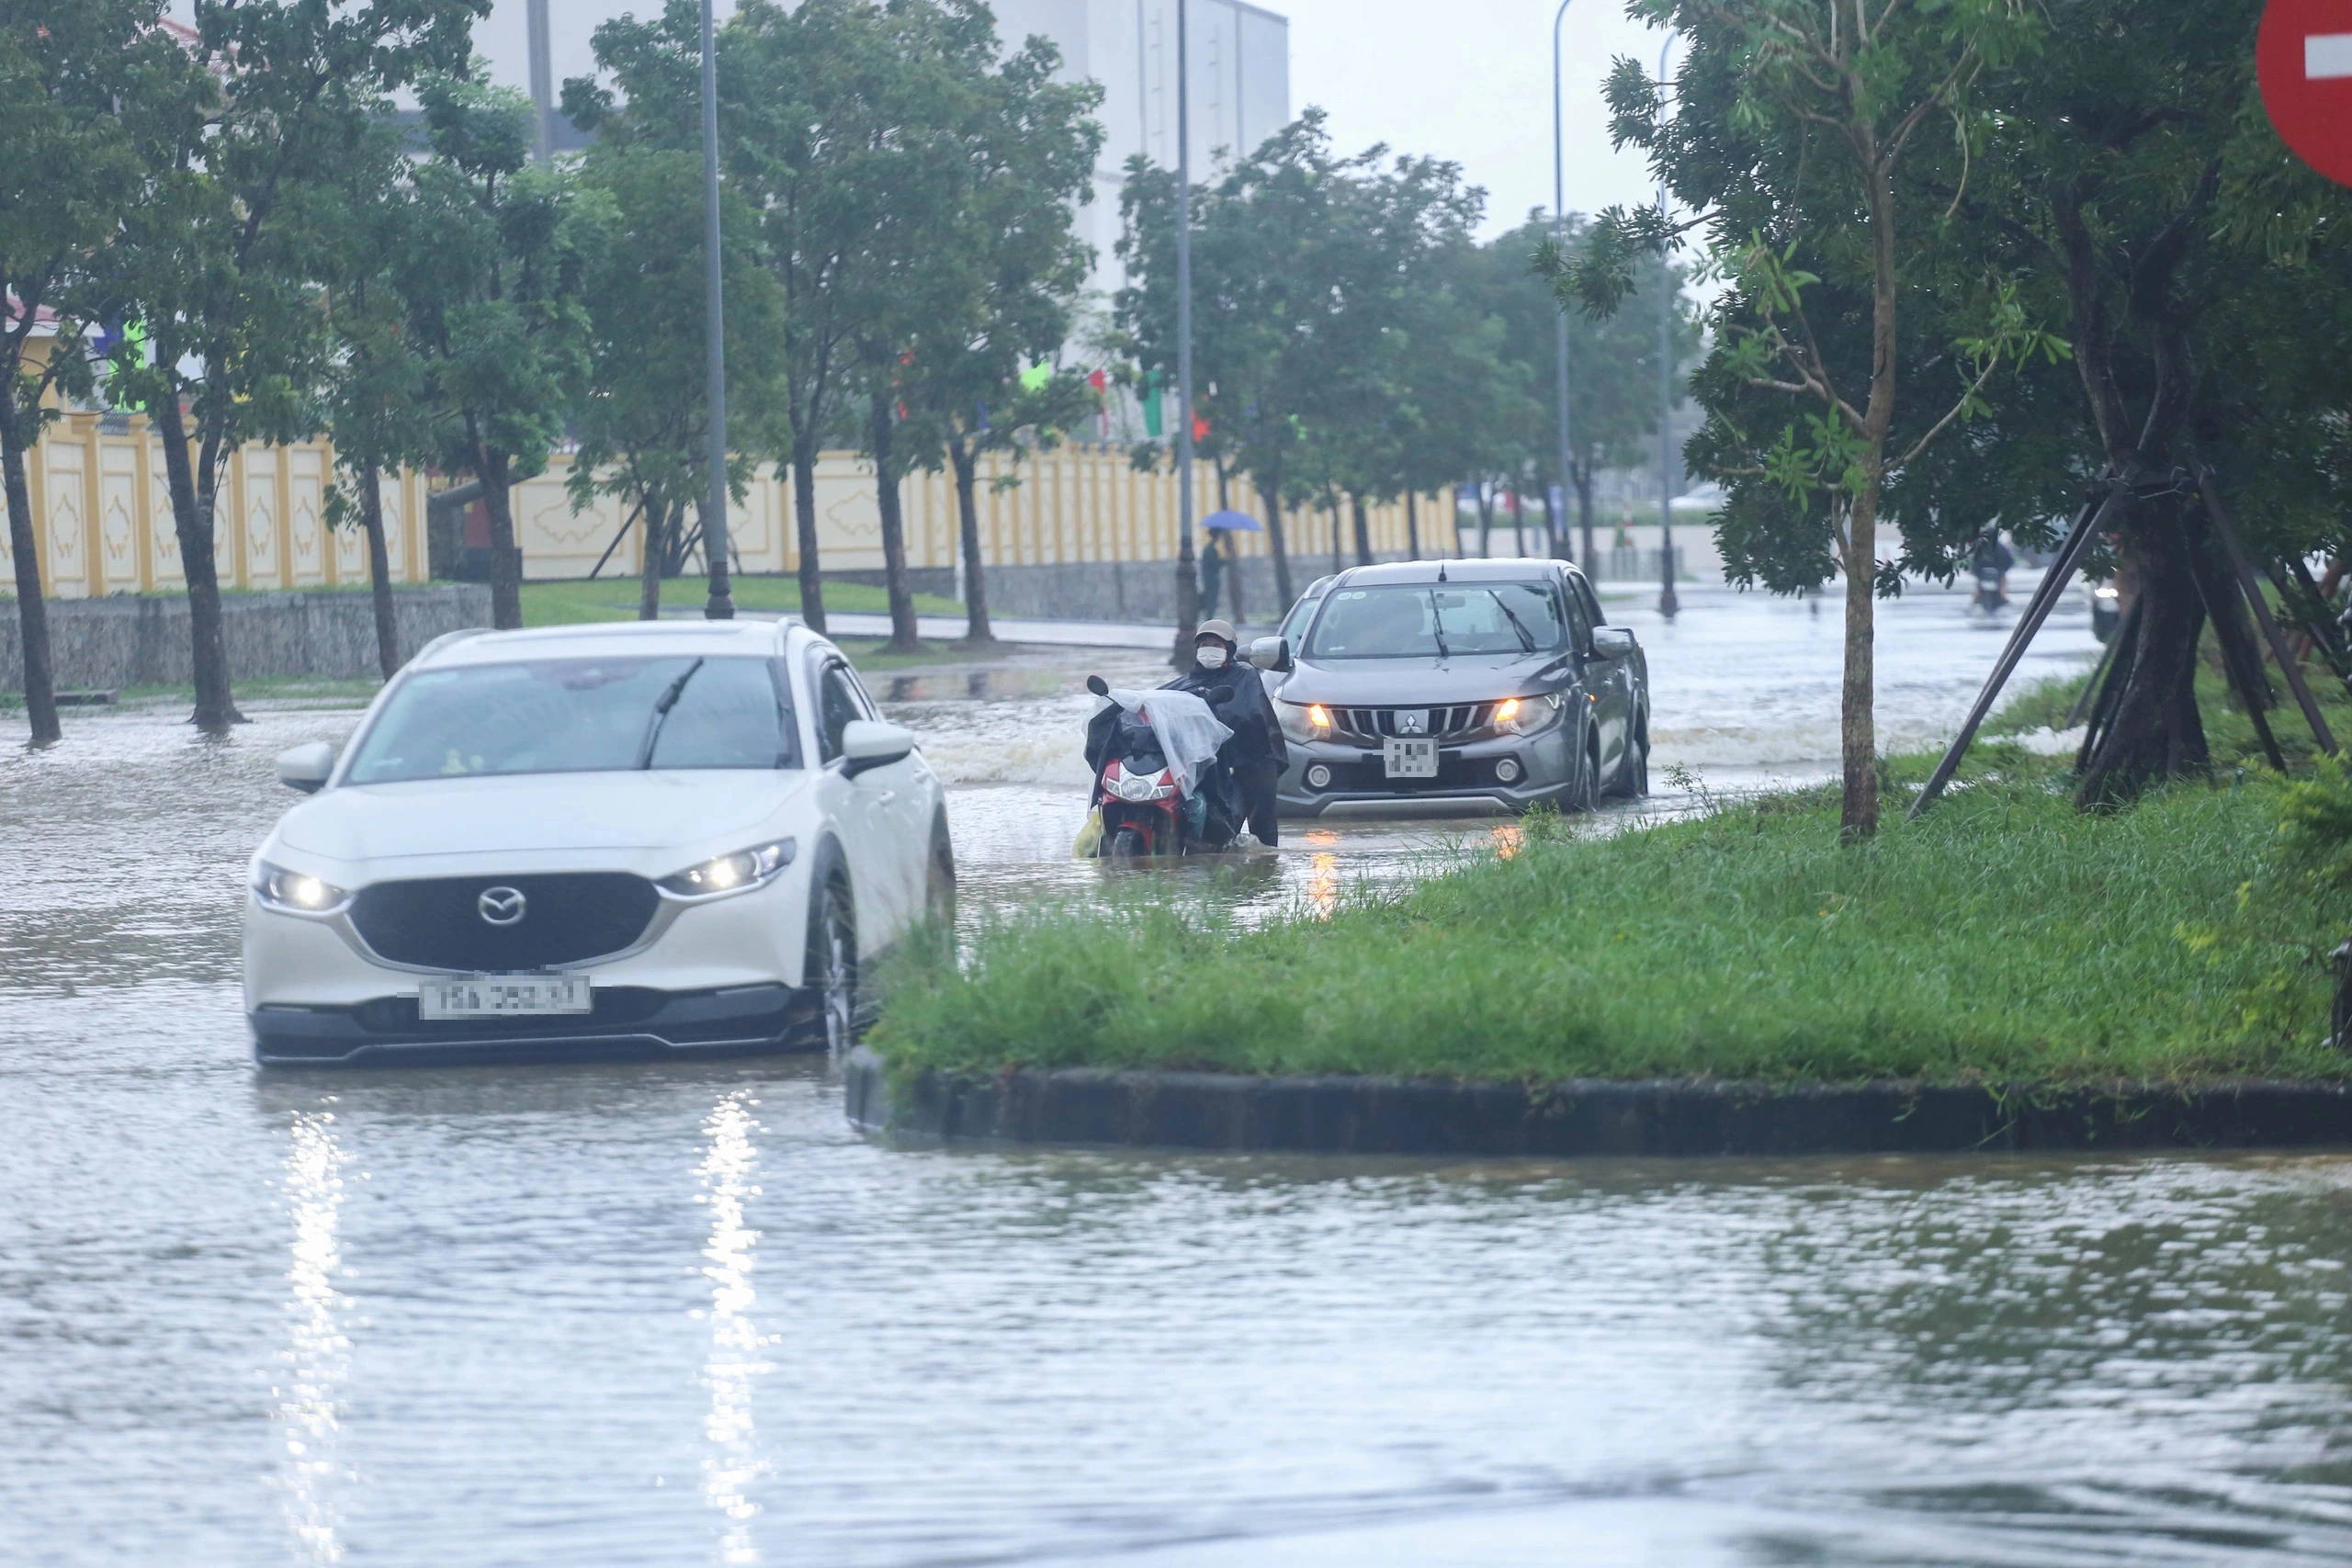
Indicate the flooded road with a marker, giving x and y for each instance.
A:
(677, 1314)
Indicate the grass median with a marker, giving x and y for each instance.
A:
(2004, 937)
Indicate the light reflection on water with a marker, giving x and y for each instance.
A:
(317, 1358)
(734, 1468)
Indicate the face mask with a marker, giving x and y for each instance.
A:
(1212, 657)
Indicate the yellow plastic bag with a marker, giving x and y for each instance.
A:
(1090, 837)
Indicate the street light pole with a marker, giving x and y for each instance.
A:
(722, 603)
(1666, 601)
(1559, 236)
(1188, 587)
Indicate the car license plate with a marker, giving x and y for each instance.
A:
(503, 996)
(1411, 759)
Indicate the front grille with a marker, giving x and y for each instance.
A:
(436, 923)
(1452, 723)
(1455, 772)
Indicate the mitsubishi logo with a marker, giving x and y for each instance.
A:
(502, 905)
(1412, 721)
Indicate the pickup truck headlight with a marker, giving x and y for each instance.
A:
(1525, 715)
(738, 872)
(1305, 721)
(296, 892)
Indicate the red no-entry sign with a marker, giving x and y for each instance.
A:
(2304, 56)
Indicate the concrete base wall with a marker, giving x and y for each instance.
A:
(143, 640)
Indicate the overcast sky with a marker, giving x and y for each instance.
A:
(1471, 80)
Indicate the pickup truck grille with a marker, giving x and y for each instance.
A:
(1449, 723)
(436, 922)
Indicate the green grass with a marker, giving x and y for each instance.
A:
(2004, 937)
(615, 598)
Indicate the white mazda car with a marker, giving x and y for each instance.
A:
(627, 839)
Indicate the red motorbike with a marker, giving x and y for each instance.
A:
(1146, 810)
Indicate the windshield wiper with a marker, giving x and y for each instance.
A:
(1437, 627)
(662, 706)
(1526, 642)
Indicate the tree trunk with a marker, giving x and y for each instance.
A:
(506, 555)
(1331, 505)
(1857, 709)
(1363, 531)
(1485, 519)
(804, 522)
(967, 464)
(379, 569)
(32, 609)
(192, 505)
(1584, 517)
(894, 528)
(1271, 495)
(653, 521)
(1518, 522)
(2145, 727)
(1412, 525)
(1857, 713)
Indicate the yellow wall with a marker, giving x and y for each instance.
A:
(103, 517)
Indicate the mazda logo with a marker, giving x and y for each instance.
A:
(502, 905)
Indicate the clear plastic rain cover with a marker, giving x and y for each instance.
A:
(1189, 734)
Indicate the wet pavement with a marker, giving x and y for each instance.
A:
(664, 1314)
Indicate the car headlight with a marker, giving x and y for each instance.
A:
(1525, 715)
(1305, 721)
(296, 892)
(754, 867)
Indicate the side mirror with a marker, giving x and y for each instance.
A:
(1611, 642)
(1271, 653)
(1099, 686)
(306, 767)
(867, 745)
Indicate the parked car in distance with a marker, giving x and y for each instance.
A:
(1493, 684)
(619, 840)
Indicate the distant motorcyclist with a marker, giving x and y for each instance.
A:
(1255, 756)
(1991, 559)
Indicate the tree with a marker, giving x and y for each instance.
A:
(1794, 125)
(1295, 297)
(641, 427)
(822, 101)
(1613, 378)
(494, 285)
(2197, 269)
(70, 161)
(221, 252)
(374, 398)
(967, 375)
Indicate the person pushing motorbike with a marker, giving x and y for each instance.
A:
(1255, 756)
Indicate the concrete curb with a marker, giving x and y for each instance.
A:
(1083, 1107)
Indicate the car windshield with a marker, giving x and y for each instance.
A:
(576, 715)
(1436, 621)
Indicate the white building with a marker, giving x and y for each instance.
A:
(1238, 66)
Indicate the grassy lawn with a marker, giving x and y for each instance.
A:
(2002, 937)
(615, 598)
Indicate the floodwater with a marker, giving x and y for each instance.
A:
(675, 1314)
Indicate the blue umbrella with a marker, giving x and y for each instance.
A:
(1232, 521)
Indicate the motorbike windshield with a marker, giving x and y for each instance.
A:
(1440, 621)
(1189, 734)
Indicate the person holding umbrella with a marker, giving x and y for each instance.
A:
(1217, 555)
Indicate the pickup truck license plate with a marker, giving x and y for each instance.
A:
(1411, 759)
(503, 996)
